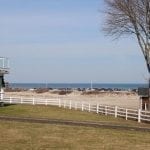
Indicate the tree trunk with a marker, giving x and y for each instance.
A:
(149, 92)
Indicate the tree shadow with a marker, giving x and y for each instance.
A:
(6, 105)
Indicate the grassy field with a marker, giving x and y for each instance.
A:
(32, 136)
(54, 112)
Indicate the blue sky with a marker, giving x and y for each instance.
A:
(62, 41)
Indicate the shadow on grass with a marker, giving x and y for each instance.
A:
(6, 105)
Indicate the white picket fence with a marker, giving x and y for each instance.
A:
(116, 111)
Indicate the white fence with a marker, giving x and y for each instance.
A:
(116, 111)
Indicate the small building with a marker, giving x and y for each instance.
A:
(4, 69)
(144, 94)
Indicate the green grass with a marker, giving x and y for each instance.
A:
(53, 112)
(31, 136)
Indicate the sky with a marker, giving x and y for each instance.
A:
(61, 41)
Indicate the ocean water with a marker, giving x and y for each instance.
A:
(77, 85)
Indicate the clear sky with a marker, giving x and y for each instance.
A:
(62, 41)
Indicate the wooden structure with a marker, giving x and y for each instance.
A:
(4, 69)
(144, 94)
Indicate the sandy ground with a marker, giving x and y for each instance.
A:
(122, 99)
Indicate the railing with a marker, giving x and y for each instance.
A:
(116, 111)
(4, 63)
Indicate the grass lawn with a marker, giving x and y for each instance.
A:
(54, 112)
(33, 136)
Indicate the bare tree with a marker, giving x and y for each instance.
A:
(130, 17)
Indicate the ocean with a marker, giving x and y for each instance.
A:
(121, 86)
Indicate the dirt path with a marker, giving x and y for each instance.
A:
(107, 125)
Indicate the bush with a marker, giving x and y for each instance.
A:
(41, 90)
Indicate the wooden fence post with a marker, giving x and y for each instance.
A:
(75, 105)
(59, 102)
(10, 101)
(105, 110)
(89, 107)
(126, 114)
(82, 106)
(70, 105)
(140, 103)
(145, 107)
(97, 108)
(46, 102)
(64, 104)
(33, 101)
(21, 100)
(116, 108)
(139, 115)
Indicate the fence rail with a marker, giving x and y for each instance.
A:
(116, 111)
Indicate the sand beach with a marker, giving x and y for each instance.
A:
(120, 98)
